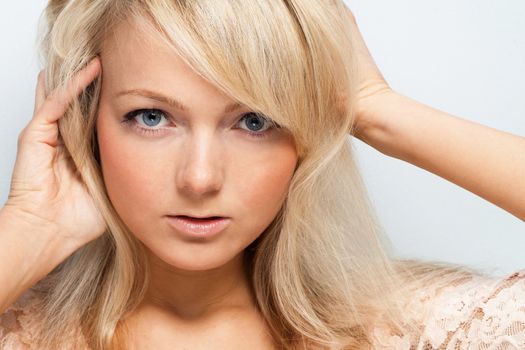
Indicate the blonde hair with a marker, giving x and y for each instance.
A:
(323, 273)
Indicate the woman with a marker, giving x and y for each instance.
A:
(193, 187)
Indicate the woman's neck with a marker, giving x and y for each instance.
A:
(193, 295)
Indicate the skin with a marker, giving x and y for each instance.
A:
(202, 161)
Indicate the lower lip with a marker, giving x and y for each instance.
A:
(196, 227)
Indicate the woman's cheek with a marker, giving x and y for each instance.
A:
(262, 186)
(134, 181)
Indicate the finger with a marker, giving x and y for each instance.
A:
(40, 94)
(56, 104)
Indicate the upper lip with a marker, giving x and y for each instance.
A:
(199, 216)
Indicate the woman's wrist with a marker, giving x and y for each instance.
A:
(377, 118)
(37, 233)
(27, 254)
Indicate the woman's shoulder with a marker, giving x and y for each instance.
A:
(476, 313)
(19, 322)
(22, 322)
(481, 312)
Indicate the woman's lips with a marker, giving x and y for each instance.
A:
(198, 227)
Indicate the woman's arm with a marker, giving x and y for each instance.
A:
(29, 250)
(483, 160)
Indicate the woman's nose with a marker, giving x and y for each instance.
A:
(200, 171)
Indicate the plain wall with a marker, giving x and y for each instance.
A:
(466, 58)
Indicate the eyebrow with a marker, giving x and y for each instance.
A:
(171, 101)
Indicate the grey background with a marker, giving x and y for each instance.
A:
(466, 58)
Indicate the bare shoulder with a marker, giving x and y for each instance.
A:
(19, 321)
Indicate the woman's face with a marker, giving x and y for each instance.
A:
(197, 161)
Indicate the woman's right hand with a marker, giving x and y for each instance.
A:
(47, 193)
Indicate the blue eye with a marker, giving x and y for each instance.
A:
(256, 123)
(150, 117)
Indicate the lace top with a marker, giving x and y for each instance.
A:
(19, 322)
(481, 313)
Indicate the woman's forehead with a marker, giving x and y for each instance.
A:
(130, 55)
(132, 42)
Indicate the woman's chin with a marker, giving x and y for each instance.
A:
(194, 260)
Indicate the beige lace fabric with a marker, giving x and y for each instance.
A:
(481, 313)
(18, 322)
(18, 325)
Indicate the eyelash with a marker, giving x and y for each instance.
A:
(129, 120)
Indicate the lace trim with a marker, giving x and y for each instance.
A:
(482, 313)
(18, 322)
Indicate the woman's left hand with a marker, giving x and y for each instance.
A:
(372, 85)
(488, 163)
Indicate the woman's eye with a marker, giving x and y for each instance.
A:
(256, 123)
(149, 118)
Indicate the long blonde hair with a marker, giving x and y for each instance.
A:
(323, 272)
